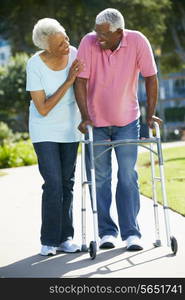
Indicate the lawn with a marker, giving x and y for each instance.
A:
(174, 170)
(2, 173)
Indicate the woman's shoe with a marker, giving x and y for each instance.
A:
(48, 250)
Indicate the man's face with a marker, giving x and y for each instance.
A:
(106, 38)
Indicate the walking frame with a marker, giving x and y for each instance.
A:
(94, 245)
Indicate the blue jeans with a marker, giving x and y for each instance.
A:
(56, 163)
(127, 191)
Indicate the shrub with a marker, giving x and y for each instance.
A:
(7, 135)
(175, 114)
(14, 99)
(5, 132)
(17, 154)
(16, 148)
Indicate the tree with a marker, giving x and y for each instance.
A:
(173, 46)
(77, 16)
(163, 22)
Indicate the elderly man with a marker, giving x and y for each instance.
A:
(106, 93)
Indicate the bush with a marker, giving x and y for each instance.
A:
(175, 114)
(16, 148)
(5, 132)
(17, 154)
(14, 99)
(7, 135)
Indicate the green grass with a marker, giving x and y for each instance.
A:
(2, 173)
(174, 170)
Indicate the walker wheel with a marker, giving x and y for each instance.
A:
(174, 245)
(92, 249)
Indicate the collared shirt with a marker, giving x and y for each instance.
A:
(113, 77)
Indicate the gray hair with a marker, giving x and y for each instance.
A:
(111, 16)
(43, 29)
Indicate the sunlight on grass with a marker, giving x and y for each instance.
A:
(2, 173)
(174, 169)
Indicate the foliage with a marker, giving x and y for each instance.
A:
(14, 99)
(78, 16)
(173, 47)
(3, 173)
(7, 135)
(17, 154)
(5, 132)
(162, 21)
(16, 149)
(174, 168)
(175, 114)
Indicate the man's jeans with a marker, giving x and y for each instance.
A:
(127, 191)
(57, 166)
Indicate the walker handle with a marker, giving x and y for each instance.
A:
(157, 129)
(90, 132)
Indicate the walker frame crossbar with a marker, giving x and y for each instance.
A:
(94, 245)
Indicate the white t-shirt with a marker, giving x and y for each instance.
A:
(61, 123)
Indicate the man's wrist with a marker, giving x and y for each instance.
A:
(85, 118)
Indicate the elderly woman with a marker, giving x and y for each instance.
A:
(53, 122)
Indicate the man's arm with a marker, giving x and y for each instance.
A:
(80, 89)
(151, 84)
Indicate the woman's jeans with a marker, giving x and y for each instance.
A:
(56, 163)
(127, 192)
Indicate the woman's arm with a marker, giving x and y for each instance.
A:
(43, 104)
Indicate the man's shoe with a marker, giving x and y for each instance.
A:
(134, 243)
(68, 247)
(107, 242)
(48, 250)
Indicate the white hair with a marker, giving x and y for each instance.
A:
(111, 16)
(43, 29)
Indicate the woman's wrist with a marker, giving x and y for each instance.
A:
(68, 83)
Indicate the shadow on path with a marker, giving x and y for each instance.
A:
(106, 262)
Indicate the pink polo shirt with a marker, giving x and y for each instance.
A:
(113, 77)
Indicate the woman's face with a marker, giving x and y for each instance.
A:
(58, 44)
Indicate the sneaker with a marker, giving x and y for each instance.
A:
(69, 247)
(107, 242)
(133, 243)
(48, 250)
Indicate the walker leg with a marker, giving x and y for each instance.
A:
(94, 245)
(163, 189)
(154, 195)
(84, 247)
(171, 241)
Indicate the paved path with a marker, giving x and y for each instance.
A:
(20, 201)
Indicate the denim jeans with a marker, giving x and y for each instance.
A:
(127, 191)
(56, 163)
